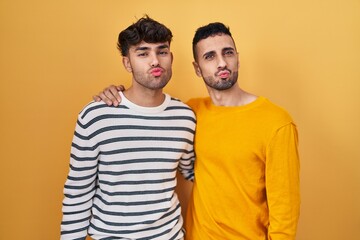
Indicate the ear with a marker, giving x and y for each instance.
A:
(127, 64)
(197, 69)
(172, 57)
(238, 60)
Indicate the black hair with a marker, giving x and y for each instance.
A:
(145, 29)
(209, 30)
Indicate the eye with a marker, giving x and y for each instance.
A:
(163, 53)
(209, 57)
(142, 54)
(229, 53)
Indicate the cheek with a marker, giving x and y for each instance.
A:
(167, 61)
(235, 65)
(204, 68)
(207, 71)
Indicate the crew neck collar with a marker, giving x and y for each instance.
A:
(151, 110)
(259, 100)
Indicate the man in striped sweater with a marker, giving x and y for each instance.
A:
(122, 177)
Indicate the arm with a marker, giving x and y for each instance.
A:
(282, 183)
(186, 165)
(110, 95)
(80, 185)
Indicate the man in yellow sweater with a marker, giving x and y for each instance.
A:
(247, 166)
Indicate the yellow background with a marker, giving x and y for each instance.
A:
(54, 55)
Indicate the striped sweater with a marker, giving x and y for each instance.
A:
(122, 177)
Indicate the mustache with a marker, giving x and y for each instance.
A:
(158, 67)
(221, 70)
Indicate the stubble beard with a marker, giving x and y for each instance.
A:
(151, 82)
(222, 84)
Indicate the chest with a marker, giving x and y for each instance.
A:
(230, 138)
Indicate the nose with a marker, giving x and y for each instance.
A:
(221, 62)
(154, 60)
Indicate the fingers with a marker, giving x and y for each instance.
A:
(110, 95)
(113, 93)
(96, 98)
(120, 88)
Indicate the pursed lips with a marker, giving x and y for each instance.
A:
(223, 73)
(156, 71)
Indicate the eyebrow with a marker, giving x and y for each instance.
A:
(228, 48)
(163, 46)
(208, 53)
(222, 50)
(141, 48)
(147, 48)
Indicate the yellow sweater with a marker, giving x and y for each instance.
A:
(246, 173)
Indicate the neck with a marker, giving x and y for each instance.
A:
(147, 98)
(231, 97)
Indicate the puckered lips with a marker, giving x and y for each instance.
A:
(223, 73)
(156, 72)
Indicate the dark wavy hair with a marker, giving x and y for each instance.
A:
(209, 30)
(145, 29)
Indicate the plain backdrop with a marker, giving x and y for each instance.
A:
(302, 55)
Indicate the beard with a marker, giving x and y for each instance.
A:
(151, 82)
(222, 84)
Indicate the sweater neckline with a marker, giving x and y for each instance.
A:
(258, 101)
(151, 110)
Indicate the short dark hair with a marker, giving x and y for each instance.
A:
(209, 30)
(145, 29)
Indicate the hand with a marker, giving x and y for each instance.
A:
(110, 95)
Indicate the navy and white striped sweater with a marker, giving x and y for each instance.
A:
(122, 177)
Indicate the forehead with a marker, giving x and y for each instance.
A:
(215, 43)
(149, 46)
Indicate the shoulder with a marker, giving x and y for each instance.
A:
(177, 104)
(93, 110)
(196, 103)
(275, 112)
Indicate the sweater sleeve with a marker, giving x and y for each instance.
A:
(282, 183)
(80, 185)
(186, 165)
